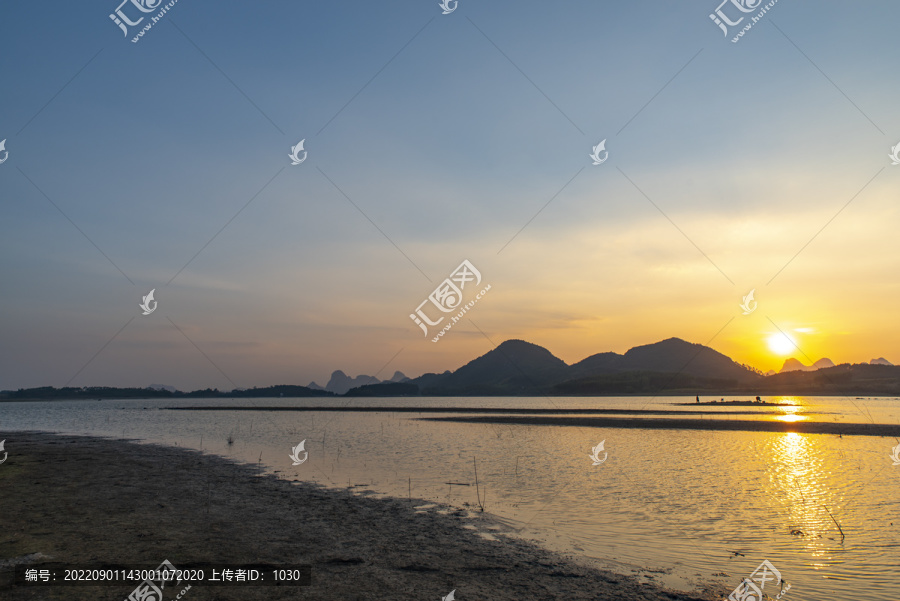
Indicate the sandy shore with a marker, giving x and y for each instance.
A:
(80, 500)
(683, 424)
(584, 418)
(492, 410)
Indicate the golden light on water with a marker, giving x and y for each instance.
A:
(790, 415)
(798, 474)
(790, 418)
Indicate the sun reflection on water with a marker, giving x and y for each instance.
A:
(799, 475)
(791, 413)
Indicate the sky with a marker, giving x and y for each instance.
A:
(163, 164)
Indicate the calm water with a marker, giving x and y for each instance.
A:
(669, 505)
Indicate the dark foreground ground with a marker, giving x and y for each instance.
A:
(81, 500)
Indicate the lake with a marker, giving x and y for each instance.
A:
(676, 507)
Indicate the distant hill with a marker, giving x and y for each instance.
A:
(341, 382)
(514, 367)
(793, 364)
(671, 366)
(106, 392)
(520, 368)
(391, 389)
(285, 390)
(668, 356)
(162, 387)
(840, 380)
(517, 367)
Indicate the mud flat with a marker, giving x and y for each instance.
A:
(81, 500)
(800, 427)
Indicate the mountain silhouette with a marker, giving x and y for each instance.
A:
(793, 364)
(519, 367)
(513, 367)
(673, 355)
(398, 376)
(341, 382)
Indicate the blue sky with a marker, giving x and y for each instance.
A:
(449, 133)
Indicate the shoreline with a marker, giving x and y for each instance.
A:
(492, 410)
(799, 427)
(90, 500)
(869, 395)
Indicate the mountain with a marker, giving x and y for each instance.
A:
(281, 390)
(792, 365)
(880, 361)
(162, 387)
(841, 380)
(314, 386)
(386, 389)
(398, 376)
(668, 356)
(341, 382)
(518, 367)
(795, 365)
(514, 367)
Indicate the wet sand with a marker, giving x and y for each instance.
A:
(734, 404)
(499, 410)
(81, 500)
(802, 427)
(551, 417)
(548, 417)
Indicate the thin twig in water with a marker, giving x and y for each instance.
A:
(477, 495)
(835, 523)
(801, 490)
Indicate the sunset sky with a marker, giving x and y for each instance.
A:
(431, 139)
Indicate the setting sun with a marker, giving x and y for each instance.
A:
(781, 344)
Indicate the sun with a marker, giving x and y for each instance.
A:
(781, 344)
